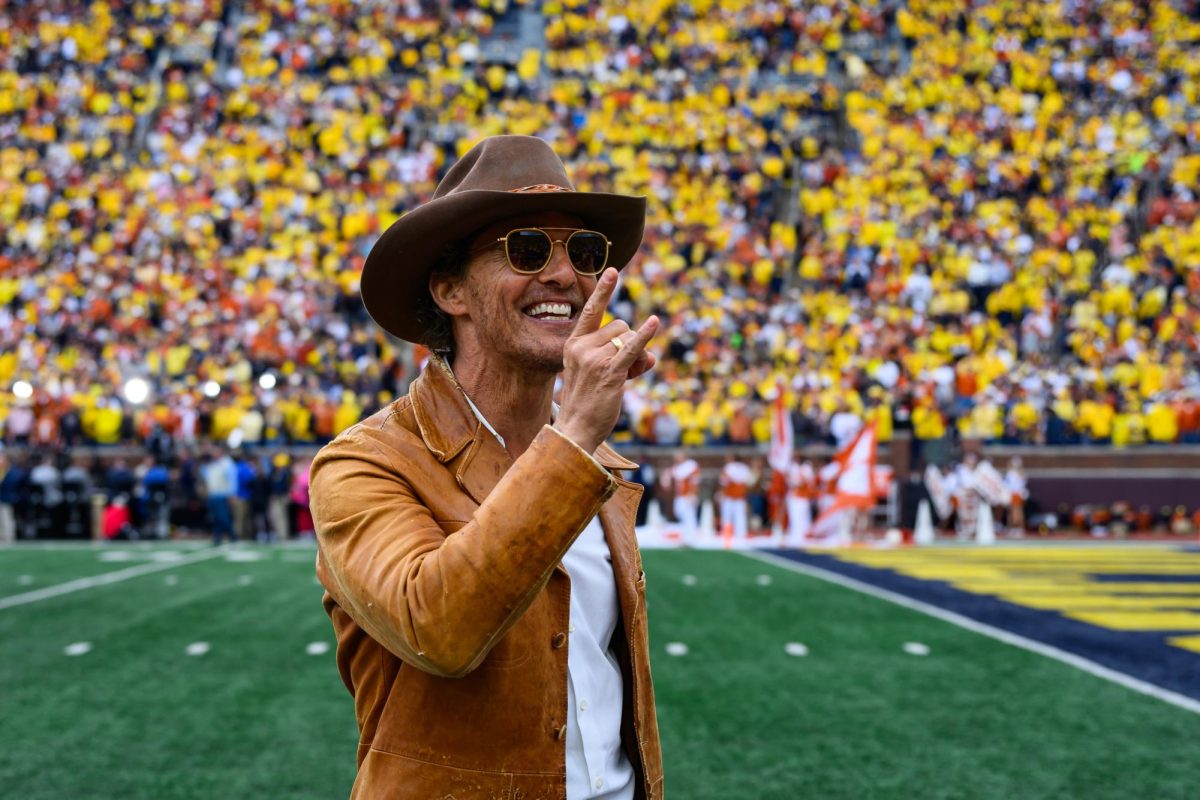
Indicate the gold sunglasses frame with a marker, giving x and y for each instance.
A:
(550, 255)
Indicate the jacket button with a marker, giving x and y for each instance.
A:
(562, 733)
(558, 641)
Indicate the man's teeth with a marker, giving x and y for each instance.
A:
(562, 310)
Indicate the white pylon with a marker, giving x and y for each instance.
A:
(654, 518)
(845, 522)
(985, 526)
(708, 522)
(923, 532)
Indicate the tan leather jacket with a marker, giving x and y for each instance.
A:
(441, 560)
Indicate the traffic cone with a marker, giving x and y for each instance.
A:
(923, 532)
(985, 526)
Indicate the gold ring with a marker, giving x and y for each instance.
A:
(617, 343)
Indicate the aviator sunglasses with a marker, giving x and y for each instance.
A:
(529, 250)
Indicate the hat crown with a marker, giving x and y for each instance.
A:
(505, 164)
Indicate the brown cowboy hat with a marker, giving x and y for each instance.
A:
(500, 177)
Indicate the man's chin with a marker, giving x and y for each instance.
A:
(545, 363)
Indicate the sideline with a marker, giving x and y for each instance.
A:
(1070, 659)
(106, 578)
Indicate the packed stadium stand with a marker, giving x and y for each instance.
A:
(963, 221)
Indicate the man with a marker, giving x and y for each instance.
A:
(156, 484)
(46, 481)
(12, 485)
(801, 490)
(477, 549)
(1018, 487)
(735, 482)
(685, 478)
(219, 475)
(966, 496)
(280, 499)
(240, 502)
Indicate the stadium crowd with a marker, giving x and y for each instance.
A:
(971, 221)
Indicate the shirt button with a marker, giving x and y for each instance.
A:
(583, 705)
(562, 733)
(558, 641)
(599, 783)
(571, 628)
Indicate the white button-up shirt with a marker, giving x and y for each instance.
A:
(597, 767)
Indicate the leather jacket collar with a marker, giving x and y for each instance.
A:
(448, 425)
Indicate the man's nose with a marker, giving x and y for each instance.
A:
(559, 271)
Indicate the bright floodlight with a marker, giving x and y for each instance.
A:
(212, 389)
(136, 390)
(23, 390)
(267, 380)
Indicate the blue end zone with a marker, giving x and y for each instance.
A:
(1142, 655)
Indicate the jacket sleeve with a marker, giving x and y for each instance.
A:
(440, 602)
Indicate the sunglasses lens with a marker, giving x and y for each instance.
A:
(528, 250)
(588, 251)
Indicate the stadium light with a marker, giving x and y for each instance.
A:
(23, 390)
(212, 389)
(136, 390)
(267, 381)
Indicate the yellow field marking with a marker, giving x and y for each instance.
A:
(1186, 642)
(1133, 567)
(1109, 569)
(950, 571)
(1141, 620)
(1063, 580)
(1077, 587)
(1023, 553)
(1065, 602)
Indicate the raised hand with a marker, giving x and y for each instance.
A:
(597, 361)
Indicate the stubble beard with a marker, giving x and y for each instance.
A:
(535, 357)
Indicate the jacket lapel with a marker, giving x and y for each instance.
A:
(617, 517)
(444, 417)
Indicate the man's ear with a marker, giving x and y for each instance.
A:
(449, 294)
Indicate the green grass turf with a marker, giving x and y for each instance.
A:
(856, 718)
(29, 567)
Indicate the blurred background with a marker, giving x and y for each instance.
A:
(964, 233)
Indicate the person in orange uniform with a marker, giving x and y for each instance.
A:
(801, 491)
(685, 478)
(735, 482)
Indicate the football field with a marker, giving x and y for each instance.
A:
(193, 672)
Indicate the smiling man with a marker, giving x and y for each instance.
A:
(475, 541)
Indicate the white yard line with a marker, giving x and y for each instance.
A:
(147, 544)
(1091, 667)
(80, 584)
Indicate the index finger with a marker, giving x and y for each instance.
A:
(593, 309)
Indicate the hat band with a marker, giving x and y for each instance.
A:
(540, 187)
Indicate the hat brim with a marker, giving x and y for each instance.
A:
(395, 277)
